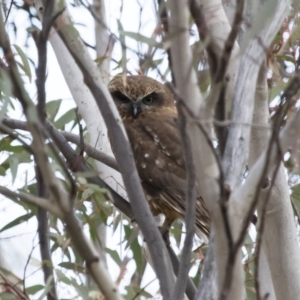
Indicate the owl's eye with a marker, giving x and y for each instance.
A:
(148, 100)
(123, 98)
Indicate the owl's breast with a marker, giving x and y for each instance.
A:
(157, 150)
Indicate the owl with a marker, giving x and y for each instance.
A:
(149, 115)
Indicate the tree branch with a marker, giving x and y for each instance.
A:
(40, 202)
(69, 136)
(259, 142)
(237, 147)
(44, 239)
(190, 213)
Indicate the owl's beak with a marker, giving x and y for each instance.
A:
(136, 110)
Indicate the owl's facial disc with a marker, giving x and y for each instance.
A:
(141, 105)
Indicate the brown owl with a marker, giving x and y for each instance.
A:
(149, 114)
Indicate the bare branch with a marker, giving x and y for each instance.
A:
(104, 40)
(207, 288)
(190, 290)
(6, 130)
(46, 204)
(237, 147)
(190, 212)
(71, 137)
(91, 151)
(163, 16)
(259, 141)
(44, 238)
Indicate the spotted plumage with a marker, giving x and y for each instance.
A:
(149, 114)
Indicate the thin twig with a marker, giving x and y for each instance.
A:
(163, 15)
(44, 238)
(196, 12)
(261, 229)
(223, 192)
(40, 202)
(13, 135)
(190, 212)
(9, 10)
(190, 289)
(71, 137)
(27, 263)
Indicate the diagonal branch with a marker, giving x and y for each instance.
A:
(44, 238)
(190, 214)
(46, 204)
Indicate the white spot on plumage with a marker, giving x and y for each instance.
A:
(156, 139)
(179, 162)
(146, 155)
(157, 162)
(143, 165)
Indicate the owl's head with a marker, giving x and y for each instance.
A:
(137, 95)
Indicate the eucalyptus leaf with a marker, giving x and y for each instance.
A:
(17, 221)
(25, 63)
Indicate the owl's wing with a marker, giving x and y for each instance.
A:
(157, 147)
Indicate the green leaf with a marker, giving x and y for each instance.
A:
(277, 89)
(123, 61)
(140, 38)
(114, 255)
(116, 220)
(2, 171)
(62, 277)
(25, 64)
(34, 289)
(47, 287)
(4, 106)
(17, 221)
(13, 165)
(137, 255)
(5, 86)
(130, 235)
(66, 118)
(7, 296)
(10, 275)
(295, 197)
(73, 266)
(81, 289)
(52, 108)
(87, 193)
